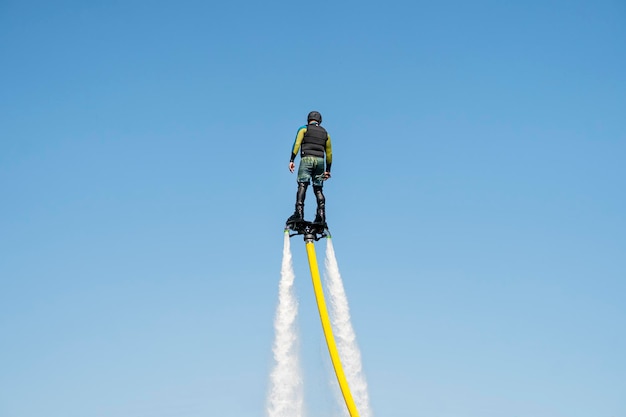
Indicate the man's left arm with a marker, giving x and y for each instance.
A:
(295, 147)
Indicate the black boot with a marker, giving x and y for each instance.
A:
(320, 217)
(298, 215)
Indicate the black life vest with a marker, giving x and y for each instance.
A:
(314, 141)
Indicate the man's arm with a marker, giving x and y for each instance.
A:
(329, 156)
(297, 143)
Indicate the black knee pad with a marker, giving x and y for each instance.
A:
(319, 195)
(301, 194)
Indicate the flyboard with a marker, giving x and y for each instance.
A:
(313, 232)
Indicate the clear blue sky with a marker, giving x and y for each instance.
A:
(477, 203)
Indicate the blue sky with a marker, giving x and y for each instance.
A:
(477, 203)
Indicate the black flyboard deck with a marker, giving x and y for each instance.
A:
(309, 229)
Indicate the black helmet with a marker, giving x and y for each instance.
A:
(314, 115)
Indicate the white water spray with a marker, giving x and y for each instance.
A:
(285, 397)
(344, 334)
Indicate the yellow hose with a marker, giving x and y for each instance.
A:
(328, 331)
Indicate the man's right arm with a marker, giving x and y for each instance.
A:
(329, 155)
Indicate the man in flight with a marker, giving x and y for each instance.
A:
(314, 143)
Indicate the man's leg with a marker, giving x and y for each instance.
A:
(298, 215)
(320, 217)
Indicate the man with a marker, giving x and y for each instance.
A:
(313, 142)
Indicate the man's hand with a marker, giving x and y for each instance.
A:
(326, 175)
(292, 166)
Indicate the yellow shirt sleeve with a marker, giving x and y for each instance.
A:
(297, 142)
(329, 154)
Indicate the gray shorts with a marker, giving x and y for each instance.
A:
(311, 169)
